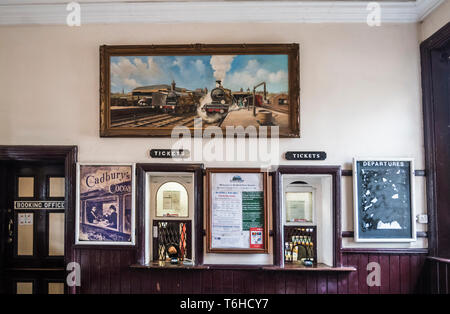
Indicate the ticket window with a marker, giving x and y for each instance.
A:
(299, 219)
(170, 208)
(307, 219)
(299, 203)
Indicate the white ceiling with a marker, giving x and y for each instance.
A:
(93, 1)
(17, 12)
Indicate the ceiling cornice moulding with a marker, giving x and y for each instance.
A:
(113, 11)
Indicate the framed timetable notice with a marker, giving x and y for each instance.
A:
(383, 192)
(237, 211)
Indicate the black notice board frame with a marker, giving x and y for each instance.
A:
(406, 211)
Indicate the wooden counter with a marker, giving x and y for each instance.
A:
(287, 267)
(318, 267)
(156, 265)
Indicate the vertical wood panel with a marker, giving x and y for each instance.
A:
(147, 283)
(414, 273)
(164, 280)
(353, 260)
(238, 282)
(311, 283)
(227, 281)
(197, 282)
(135, 276)
(405, 284)
(172, 285)
(343, 278)
(217, 281)
(259, 282)
(269, 280)
(322, 283)
(124, 272)
(94, 269)
(432, 275)
(394, 278)
(448, 279)
(385, 271)
(280, 283)
(207, 283)
(443, 283)
(85, 271)
(362, 274)
(178, 275)
(300, 284)
(153, 280)
(115, 272)
(422, 280)
(332, 283)
(291, 283)
(186, 281)
(135, 284)
(374, 258)
(248, 283)
(105, 271)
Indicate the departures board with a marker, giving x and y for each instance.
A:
(383, 200)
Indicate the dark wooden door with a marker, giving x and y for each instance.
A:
(440, 63)
(33, 220)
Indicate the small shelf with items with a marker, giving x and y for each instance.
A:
(172, 239)
(300, 245)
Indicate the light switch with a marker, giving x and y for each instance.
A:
(422, 219)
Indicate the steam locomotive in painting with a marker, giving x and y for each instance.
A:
(221, 100)
(179, 103)
(173, 100)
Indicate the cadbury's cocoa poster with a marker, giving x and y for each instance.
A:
(105, 211)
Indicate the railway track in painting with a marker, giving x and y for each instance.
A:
(156, 120)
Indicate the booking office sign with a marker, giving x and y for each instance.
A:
(105, 212)
(383, 192)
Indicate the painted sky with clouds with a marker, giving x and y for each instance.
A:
(191, 72)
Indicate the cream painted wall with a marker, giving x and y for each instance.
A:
(360, 90)
(435, 20)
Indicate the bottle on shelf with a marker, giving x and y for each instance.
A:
(295, 253)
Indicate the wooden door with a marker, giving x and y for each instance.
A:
(34, 218)
(440, 62)
(435, 64)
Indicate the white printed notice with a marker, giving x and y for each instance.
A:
(237, 207)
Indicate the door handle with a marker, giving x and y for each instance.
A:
(10, 230)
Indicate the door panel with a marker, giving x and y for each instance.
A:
(24, 234)
(55, 234)
(441, 97)
(24, 287)
(34, 242)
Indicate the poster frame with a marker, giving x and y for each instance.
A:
(132, 241)
(357, 238)
(209, 248)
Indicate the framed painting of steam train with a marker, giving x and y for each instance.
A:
(158, 90)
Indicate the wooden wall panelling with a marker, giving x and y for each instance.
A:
(107, 271)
